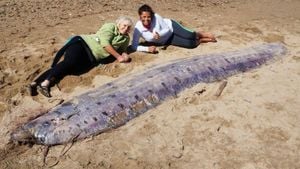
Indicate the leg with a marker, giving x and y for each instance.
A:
(57, 72)
(183, 42)
(182, 31)
(32, 87)
(202, 37)
(183, 37)
(75, 61)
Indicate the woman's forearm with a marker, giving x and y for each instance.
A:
(122, 58)
(113, 52)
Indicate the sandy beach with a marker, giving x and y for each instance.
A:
(254, 124)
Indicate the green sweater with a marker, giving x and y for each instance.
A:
(108, 34)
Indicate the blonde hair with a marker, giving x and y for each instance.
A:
(123, 19)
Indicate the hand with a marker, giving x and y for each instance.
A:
(152, 49)
(156, 35)
(123, 58)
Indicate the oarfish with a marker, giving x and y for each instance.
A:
(115, 103)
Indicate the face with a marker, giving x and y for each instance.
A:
(124, 28)
(145, 18)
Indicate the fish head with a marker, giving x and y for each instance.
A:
(21, 135)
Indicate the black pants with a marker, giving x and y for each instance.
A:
(76, 61)
(183, 37)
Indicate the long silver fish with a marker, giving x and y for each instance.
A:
(115, 103)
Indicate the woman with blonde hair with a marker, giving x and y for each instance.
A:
(83, 52)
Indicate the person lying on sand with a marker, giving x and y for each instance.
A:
(162, 31)
(82, 53)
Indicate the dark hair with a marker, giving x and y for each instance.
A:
(146, 8)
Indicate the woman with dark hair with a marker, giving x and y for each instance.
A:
(82, 53)
(162, 31)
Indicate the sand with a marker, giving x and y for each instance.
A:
(253, 124)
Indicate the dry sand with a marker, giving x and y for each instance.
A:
(253, 124)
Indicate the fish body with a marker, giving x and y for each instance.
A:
(117, 102)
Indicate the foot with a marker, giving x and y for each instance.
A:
(214, 40)
(32, 89)
(207, 37)
(206, 40)
(44, 90)
(211, 37)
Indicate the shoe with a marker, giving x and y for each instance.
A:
(32, 89)
(44, 90)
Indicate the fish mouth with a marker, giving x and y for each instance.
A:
(21, 135)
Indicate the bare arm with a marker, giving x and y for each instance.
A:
(121, 58)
